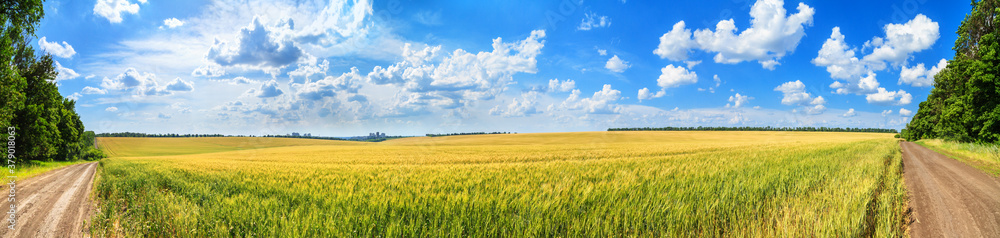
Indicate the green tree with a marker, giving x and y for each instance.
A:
(965, 102)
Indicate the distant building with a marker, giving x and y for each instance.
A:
(295, 134)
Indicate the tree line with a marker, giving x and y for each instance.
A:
(175, 135)
(45, 124)
(964, 104)
(469, 133)
(750, 128)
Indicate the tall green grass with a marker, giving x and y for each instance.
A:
(983, 156)
(798, 188)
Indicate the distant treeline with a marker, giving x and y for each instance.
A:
(138, 134)
(470, 133)
(748, 128)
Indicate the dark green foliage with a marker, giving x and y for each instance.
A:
(965, 102)
(46, 124)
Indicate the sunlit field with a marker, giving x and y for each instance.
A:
(648, 184)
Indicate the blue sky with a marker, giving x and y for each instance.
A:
(342, 68)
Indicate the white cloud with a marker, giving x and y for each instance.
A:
(113, 9)
(738, 100)
(592, 20)
(209, 70)
(267, 90)
(180, 85)
(306, 72)
(617, 65)
(838, 58)
(238, 80)
(886, 112)
(601, 52)
(257, 47)
(461, 77)
(901, 40)
(904, 112)
(564, 86)
(142, 84)
(93, 90)
(601, 103)
(794, 93)
(674, 76)
(330, 86)
(111, 109)
(644, 94)
(920, 76)
(63, 51)
(676, 43)
(850, 113)
(64, 73)
(770, 36)
(172, 23)
(885, 98)
(518, 108)
(75, 96)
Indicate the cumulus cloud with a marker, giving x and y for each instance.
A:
(527, 105)
(886, 112)
(64, 73)
(850, 113)
(738, 100)
(905, 113)
(172, 23)
(794, 93)
(143, 84)
(113, 9)
(238, 80)
(257, 47)
(674, 76)
(180, 85)
(461, 77)
(644, 94)
(838, 58)
(920, 76)
(63, 51)
(670, 76)
(330, 86)
(676, 43)
(93, 90)
(772, 35)
(111, 109)
(602, 102)
(267, 90)
(617, 65)
(592, 20)
(885, 97)
(210, 70)
(561, 86)
(901, 40)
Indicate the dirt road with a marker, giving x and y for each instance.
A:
(54, 204)
(949, 198)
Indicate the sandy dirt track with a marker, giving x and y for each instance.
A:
(949, 198)
(53, 204)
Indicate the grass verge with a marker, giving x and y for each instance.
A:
(985, 157)
(34, 168)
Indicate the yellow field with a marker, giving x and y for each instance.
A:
(650, 184)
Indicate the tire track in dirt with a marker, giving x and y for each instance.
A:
(54, 204)
(949, 198)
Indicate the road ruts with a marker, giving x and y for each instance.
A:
(54, 204)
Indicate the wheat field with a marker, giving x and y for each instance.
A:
(589, 184)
